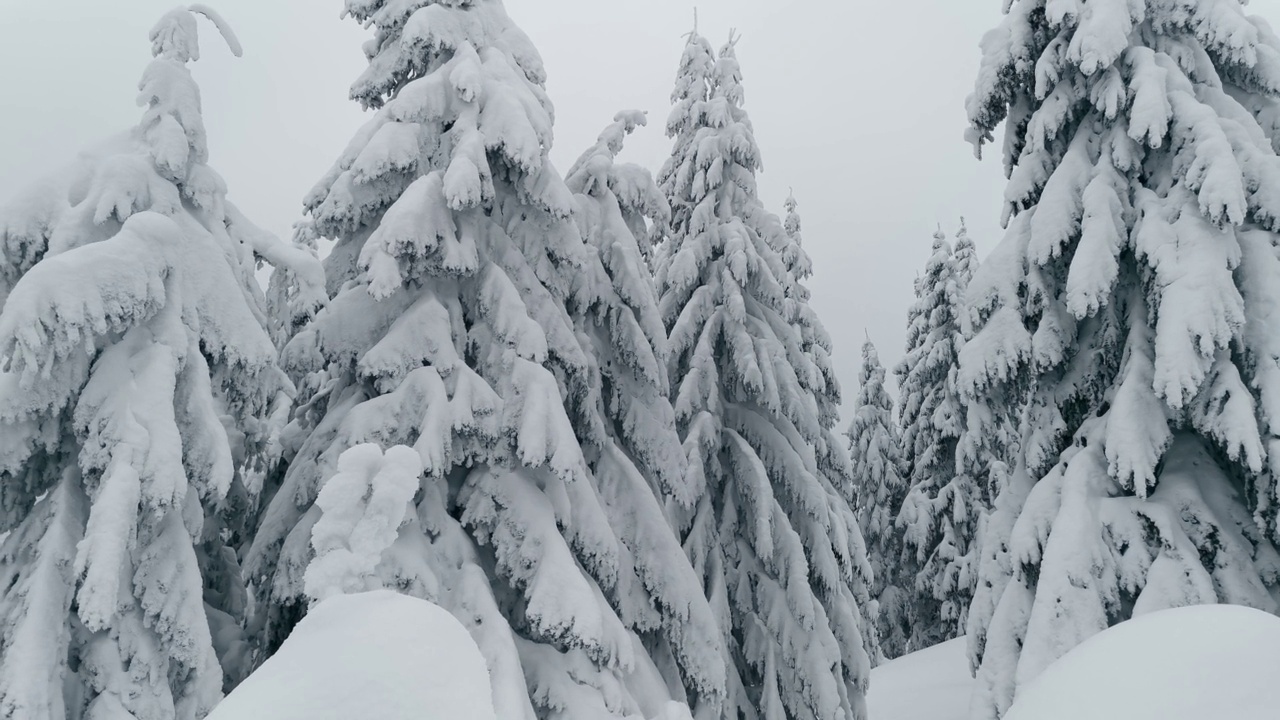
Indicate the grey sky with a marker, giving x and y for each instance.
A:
(857, 105)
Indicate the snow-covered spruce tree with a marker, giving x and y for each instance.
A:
(989, 437)
(1134, 295)
(465, 316)
(833, 461)
(942, 512)
(628, 426)
(964, 261)
(876, 495)
(816, 344)
(988, 446)
(137, 371)
(794, 258)
(775, 543)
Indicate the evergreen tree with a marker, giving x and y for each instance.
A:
(964, 258)
(833, 461)
(815, 342)
(629, 430)
(942, 512)
(988, 447)
(876, 495)
(137, 372)
(1133, 297)
(470, 321)
(989, 436)
(776, 546)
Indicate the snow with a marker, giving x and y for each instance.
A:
(1145, 405)
(371, 655)
(1191, 663)
(364, 505)
(931, 684)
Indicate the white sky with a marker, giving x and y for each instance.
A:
(857, 105)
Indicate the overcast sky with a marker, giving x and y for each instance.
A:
(858, 106)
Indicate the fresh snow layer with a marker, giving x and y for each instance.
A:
(1191, 663)
(372, 655)
(932, 684)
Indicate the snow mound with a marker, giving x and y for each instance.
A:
(931, 684)
(371, 655)
(1191, 663)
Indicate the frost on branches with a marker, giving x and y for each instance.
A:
(943, 510)
(1135, 297)
(875, 494)
(470, 321)
(774, 542)
(136, 366)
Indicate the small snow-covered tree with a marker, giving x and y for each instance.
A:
(470, 321)
(1133, 298)
(815, 342)
(964, 259)
(794, 258)
(364, 504)
(876, 494)
(943, 510)
(137, 373)
(775, 543)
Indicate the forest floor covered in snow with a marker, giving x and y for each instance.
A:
(1203, 662)
(932, 684)
(1195, 663)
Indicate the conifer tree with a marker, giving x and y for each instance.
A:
(629, 430)
(1132, 298)
(138, 371)
(794, 258)
(815, 341)
(964, 259)
(774, 542)
(941, 513)
(989, 436)
(833, 461)
(470, 321)
(876, 495)
(988, 446)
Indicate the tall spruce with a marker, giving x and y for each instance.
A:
(990, 443)
(942, 512)
(470, 321)
(1133, 297)
(630, 437)
(776, 545)
(138, 371)
(989, 436)
(833, 460)
(814, 340)
(876, 494)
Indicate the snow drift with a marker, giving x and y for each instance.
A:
(930, 684)
(1192, 663)
(371, 655)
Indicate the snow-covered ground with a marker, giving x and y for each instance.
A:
(372, 655)
(933, 684)
(1194, 663)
